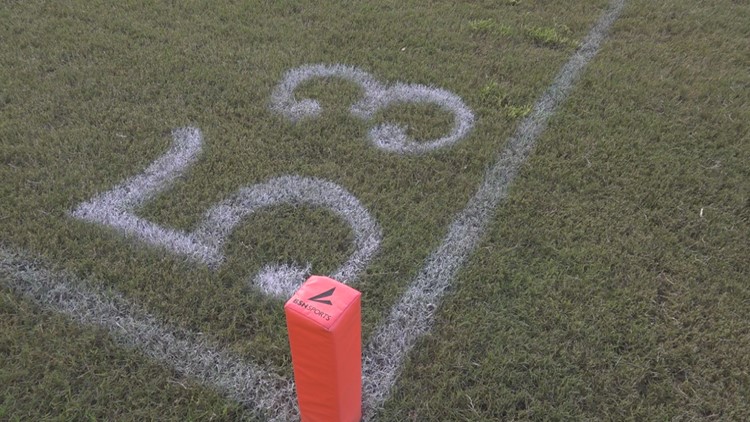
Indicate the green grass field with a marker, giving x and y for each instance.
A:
(611, 284)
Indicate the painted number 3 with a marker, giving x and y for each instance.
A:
(116, 208)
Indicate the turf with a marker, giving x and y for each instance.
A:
(610, 286)
(613, 285)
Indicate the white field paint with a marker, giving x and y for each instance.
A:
(189, 353)
(260, 389)
(277, 280)
(413, 315)
(116, 208)
(387, 136)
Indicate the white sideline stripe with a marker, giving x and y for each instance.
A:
(413, 315)
(187, 352)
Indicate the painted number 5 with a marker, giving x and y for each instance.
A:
(116, 208)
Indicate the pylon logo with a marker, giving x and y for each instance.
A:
(318, 298)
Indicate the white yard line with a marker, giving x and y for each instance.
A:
(413, 315)
(189, 353)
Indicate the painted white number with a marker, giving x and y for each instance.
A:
(116, 208)
(389, 137)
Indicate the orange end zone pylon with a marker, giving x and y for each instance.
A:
(323, 319)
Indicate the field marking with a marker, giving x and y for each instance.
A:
(387, 136)
(413, 315)
(116, 208)
(189, 353)
(223, 218)
(260, 389)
